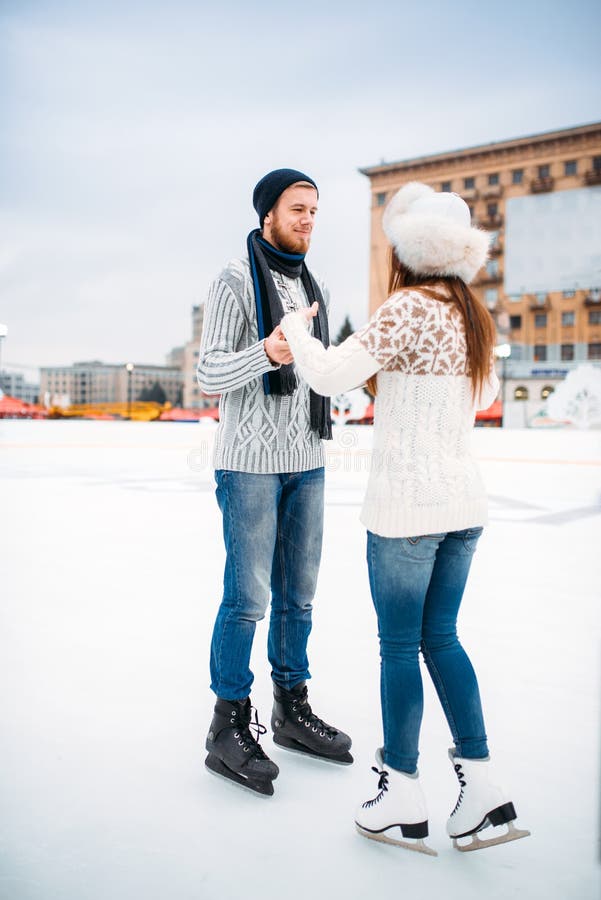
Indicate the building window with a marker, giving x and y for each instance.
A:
(515, 322)
(492, 267)
(544, 171)
(492, 209)
(515, 298)
(491, 295)
(445, 186)
(594, 317)
(597, 163)
(494, 178)
(567, 352)
(520, 393)
(381, 198)
(568, 294)
(540, 353)
(546, 391)
(469, 183)
(540, 320)
(594, 351)
(517, 176)
(541, 297)
(570, 167)
(567, 319)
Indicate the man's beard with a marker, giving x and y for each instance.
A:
(289, 243)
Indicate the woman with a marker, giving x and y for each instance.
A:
(428, 356)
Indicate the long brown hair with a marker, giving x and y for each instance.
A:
(477, 321)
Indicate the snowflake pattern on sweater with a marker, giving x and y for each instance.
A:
(416, 334)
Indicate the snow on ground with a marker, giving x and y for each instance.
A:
(111, 575)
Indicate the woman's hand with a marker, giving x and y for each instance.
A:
(276, 345)
(309, 313)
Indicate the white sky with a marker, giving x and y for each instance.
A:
(132, 140)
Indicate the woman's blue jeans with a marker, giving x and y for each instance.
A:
(272, 528)
(417, 584)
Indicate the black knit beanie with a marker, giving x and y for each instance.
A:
(269, 188)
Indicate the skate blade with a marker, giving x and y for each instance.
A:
(216, 767)
(418, 845)
(293, 747)
(512, 834)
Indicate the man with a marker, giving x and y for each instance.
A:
(269, 471)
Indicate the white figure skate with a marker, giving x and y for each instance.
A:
(397, 815)
(481, 803)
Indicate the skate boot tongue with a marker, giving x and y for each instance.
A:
(382, 787)
(258, 728)
(462, 783)
(300, 703)
(383, 780)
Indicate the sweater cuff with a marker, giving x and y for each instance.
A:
(294, 323)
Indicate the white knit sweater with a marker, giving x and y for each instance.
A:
(423, 478)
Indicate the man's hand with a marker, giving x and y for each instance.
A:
(277, 348)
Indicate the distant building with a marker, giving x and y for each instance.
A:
(97, 382)
(194, 398)
(550, 332)
(14, 385)
(175, 358)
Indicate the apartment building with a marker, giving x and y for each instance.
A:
(194, 398)
(13, 384)
(549, 332)
(97, 382)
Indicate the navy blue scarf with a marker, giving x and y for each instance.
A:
(263, 257)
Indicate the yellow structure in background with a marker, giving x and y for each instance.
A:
(138, 411)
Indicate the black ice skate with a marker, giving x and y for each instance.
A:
(234, 752)
(296, 727)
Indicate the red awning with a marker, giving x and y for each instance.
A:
(366, 419)
(12, 407)
(177, 414)
(493, 412)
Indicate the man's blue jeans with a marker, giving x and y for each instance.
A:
(417, 585)
(272, 528)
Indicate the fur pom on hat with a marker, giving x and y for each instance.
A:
(431, 233)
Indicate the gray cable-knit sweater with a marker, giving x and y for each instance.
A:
(256, 433)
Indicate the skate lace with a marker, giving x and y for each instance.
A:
(248, 741)
(302, 707)
(461, 777)
(382, 787)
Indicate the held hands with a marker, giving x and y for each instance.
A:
(277, 349)
(276, 345)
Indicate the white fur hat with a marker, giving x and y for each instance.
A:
(432, 233)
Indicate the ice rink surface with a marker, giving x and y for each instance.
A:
(111, 575)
